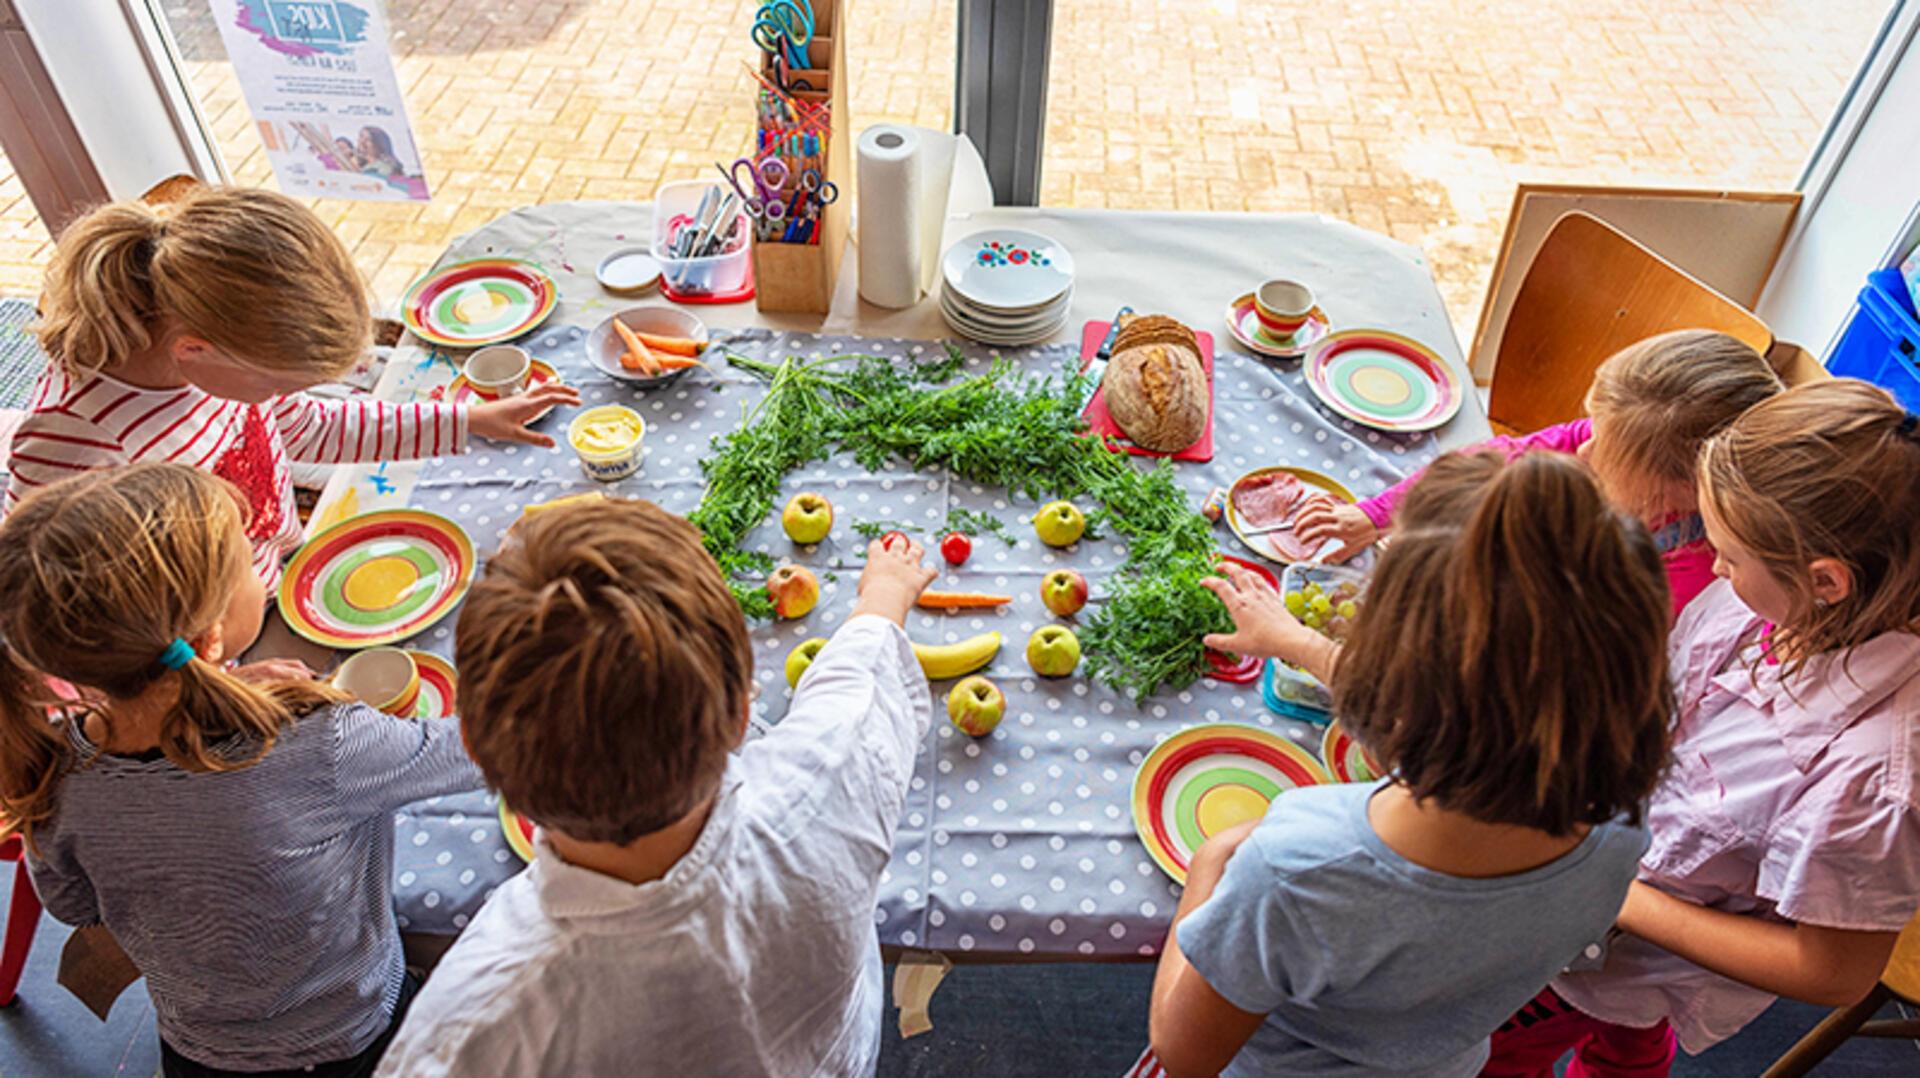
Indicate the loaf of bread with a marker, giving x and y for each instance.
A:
(1156, 389)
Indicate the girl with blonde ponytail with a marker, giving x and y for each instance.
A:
(187, 331)
(232, 828)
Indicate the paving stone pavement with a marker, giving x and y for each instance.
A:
(1412, 117)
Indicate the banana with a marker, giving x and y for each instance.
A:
(955, 660)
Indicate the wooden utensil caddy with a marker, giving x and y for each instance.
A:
(800, 276)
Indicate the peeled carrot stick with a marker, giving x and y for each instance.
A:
(636, 350)
(676, 363)
(678, 346)
(959, 600)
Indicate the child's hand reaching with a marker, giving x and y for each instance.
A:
(506, 420)
(1263, 626)
(893, 578)
(1324, 518)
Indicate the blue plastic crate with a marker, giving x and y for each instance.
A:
(1881, 343)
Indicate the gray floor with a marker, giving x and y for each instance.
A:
(1079, 1019)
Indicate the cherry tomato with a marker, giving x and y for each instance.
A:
(892, 537)
(955, 548)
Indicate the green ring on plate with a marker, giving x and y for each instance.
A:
(1186, 807)
(518, 302)
(1419, 385)
(331, 591)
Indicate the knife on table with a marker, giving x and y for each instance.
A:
(1097, 367)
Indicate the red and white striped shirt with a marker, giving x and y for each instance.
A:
(76, 423)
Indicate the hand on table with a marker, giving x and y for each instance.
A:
(1262, 625)
(893, 578)
(269, 671)
(506, 420)
(1324, 518)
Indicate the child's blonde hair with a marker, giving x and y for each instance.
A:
(101, 573)
(251, 271)
(1659, 399)
(1825, 470)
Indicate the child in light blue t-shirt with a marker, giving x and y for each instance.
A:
(1509, 669)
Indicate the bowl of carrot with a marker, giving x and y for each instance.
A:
(648, 346)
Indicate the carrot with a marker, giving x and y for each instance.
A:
(676, 363)
(678, 346)
(636, 350)
(960, 600)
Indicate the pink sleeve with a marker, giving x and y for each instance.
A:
(1689, 571)
(350, 431)
(1560, 438)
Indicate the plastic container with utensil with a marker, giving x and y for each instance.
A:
(1287, 689)
(721, 276)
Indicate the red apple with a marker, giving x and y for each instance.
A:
(794, 591)
(1064, 591)
(976, 705)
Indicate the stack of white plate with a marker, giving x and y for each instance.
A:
(1007, 287)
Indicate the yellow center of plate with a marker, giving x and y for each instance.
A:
(1381, 386)
(478, 306)
(1227, 805)
(380, 583)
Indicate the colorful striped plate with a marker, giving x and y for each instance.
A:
(1206, 779)
(1382, 380)
(376, 578)
(437, 683)
(1345, 760)
(484, 301)
(518, 830)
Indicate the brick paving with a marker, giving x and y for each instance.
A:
(1411, 117)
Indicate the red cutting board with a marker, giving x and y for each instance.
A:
(1100, 421)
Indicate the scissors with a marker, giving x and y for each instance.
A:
(783, 76)
(825, 192)
(762, 187)
(784, 24)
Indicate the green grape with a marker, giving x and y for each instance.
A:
(1296, 603)
(1348, 609)
(1320, 605)
(1314, 619)
(1312, 590)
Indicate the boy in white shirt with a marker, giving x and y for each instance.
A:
(691, 909)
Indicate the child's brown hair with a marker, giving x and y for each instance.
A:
(1825, 470)
(1658, 400)
(1510, 660)
(101, 572)
(605, 670)
(251, 271)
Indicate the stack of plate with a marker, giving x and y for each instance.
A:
(1007, 287)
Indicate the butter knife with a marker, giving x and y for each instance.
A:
(1097, 367)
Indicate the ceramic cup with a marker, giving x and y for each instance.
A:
(1282, 307)
(383, 678)
(501, 370)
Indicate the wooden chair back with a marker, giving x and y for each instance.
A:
(1590, 292)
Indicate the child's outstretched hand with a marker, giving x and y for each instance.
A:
(1324, 518)
(893, 578)
(506, 420)
(1263, 626)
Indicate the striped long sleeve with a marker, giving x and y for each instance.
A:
(342, 431)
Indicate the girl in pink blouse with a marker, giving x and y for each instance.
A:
(1651, 405)
(1786, 837)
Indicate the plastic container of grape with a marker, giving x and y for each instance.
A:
(1286, 689)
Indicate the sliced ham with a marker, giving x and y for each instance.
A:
(1268, 499)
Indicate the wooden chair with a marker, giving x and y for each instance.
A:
(1900, 982)
(171, 189)
(23, 918)
(1590, 292)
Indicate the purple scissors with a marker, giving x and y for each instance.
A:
(761, 191)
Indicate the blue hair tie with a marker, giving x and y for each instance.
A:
(178, 654)
(1907, 423)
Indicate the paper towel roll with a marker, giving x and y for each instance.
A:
(892, 211)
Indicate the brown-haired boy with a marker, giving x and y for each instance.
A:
(696, 906)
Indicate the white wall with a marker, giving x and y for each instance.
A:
(1863, 211)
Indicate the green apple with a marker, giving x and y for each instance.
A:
(976, 705)
(802, 657)
(794, 591)
(807, 518)
(1064, 592)
(1053, 651)
(1059, 524)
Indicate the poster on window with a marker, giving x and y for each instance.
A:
(319, 79)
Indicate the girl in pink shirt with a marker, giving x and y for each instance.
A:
(1651, 406)
(187, 332)
(1786, 837)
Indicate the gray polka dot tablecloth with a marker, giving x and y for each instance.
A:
(1018, 843)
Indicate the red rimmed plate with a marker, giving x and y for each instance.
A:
(461, 391)
(1345, 760)
(437, 682)
(1382, 380)
(1242, 669)
(483, 301)
(518, 831)
(1261, 542)
(376, 578)
(1206, 779)
(1245, 327)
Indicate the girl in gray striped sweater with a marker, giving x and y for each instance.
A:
(233, 829)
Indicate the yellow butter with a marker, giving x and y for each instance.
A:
(607, 434)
